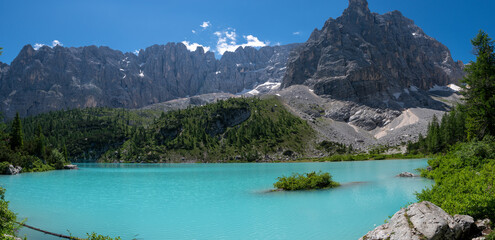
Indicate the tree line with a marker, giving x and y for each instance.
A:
(237, 129)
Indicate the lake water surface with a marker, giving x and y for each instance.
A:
(211, 201)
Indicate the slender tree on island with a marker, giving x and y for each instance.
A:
(479, 91)
(16, 137)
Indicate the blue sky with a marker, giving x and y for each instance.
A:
(130, 25)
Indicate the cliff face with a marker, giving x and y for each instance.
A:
(59, 78)
(381, 61)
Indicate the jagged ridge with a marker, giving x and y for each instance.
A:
(60, 78)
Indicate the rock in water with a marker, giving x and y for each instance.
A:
(71, 167)
(406, 174)
(379, 61)
(424, 221)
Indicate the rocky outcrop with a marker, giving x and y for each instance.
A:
(425, 221)
(380, 61)
(223, 119)
(13, 170)
(63, 78)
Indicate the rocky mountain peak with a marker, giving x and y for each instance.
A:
(26, 51)
(357, 6)
(379, 61)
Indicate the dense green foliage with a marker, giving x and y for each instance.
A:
(13, 153)
(308, 181)
(83, 134)
(16, 135)
(464, 179)
(480, 93)
(335, 147)
(238, 129)
(441, 135)
(7, 218)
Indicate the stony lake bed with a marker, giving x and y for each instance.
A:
(211, 201)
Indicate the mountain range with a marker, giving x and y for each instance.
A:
(55, 78)
(366, 69)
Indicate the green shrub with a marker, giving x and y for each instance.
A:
(464, 180)
(306, 181)
(39, 166)
(57, 159)
(4, 166)
(7, 218)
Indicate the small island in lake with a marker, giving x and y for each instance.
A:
(307, 181)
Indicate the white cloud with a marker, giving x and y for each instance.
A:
(296, 33)
(193, 46)
(54, 43)
(136, 52)
(227, 41)
(38, 46)
(193, 31)
(205, 24)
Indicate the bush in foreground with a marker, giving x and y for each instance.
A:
(464, 180)
(7, 218)
(307, 181)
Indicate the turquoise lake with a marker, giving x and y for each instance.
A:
(211, 201)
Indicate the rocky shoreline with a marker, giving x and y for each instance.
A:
(426, 221)
(14, 170)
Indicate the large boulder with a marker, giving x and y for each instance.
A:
(424, 221)
(71, 167)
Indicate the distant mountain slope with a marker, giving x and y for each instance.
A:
(385, 62)
(59, 78)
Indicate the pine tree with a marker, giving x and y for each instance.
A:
(480, 90)
(16, 136)
(433, 140)
(66, 154)
(40, 143)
